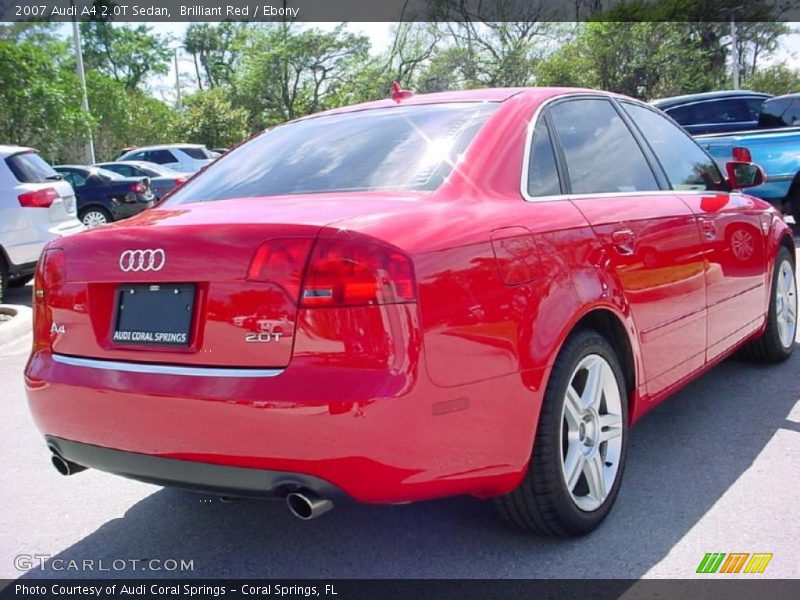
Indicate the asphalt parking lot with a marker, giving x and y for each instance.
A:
(714, 469)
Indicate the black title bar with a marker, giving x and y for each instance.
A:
(399, 10)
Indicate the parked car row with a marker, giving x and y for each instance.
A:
(39, 202)
(748, 126)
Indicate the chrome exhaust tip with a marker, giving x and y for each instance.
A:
(64, 466)
(307, 506)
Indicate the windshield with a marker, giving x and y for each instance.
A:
(411, 148)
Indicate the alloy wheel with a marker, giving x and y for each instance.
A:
(93, 219)
(786, 304)
(591, 433)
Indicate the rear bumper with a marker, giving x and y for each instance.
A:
(202, 477)
(378, 435)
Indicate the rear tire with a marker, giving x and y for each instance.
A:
(578, 458)
(777, 342)
(3, 279)
(95, 216)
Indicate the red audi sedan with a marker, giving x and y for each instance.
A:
(460, 293)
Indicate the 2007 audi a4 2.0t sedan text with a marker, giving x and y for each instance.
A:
(458, 293)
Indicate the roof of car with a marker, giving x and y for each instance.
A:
(687, 98)
(164, 147)
(8, 149)
(477, 95)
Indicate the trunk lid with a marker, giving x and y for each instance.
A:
(201, 253)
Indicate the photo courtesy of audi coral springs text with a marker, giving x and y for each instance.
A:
(472, 292)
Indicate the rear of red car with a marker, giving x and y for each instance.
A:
(239, 340)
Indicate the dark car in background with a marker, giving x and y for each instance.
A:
(104, 196)
(162, 179)
(714, 112)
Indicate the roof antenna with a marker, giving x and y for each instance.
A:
(399, 93)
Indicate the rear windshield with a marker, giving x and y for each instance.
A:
(108, 175)
(196, 153)
(29, 167)
(410, 148)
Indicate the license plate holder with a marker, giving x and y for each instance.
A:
(154, 314)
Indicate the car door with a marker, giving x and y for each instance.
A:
(651, 244)
(731, 227)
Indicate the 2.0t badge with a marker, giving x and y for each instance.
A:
(142, 260)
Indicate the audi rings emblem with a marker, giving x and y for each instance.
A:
(142, 260)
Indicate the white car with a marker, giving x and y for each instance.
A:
(35, 207)
(186, 158)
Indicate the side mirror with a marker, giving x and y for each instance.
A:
(744, 174)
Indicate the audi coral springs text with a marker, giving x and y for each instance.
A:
(460, 293)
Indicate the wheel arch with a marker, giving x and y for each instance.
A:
(609, 322)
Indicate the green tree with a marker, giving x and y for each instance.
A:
(39, 99)
(127, 117)
(289, 72)
(216, 51)
(775, 79)
(128, 54)
(211, 119)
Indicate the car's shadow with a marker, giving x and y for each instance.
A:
(683, 457)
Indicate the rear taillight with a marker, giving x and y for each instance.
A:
(39, 198)
(180, 181)
(138, 188)
(281, 261)
(50, 273)
(356, 273)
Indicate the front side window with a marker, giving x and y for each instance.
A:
(408, 148)
(601, 153)
(542, 170)
(686, 165)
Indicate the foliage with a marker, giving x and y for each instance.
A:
(211, 119)
(775, 79)
(249, 76)
(128, 54)
(39, 106)
(216, 50)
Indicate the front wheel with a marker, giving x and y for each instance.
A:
(777, 341)
(581, 441)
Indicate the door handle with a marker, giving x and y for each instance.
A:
(623, 240)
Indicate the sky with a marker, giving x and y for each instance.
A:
(379, 36)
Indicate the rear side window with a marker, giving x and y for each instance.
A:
(125, 170)
(29, 167)
(732, 110)
(601, 153)
(408, 147)
(686, 165)
(772, 112)
(195, 152)
(542, 171)
(161, 157)
(792, 116)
